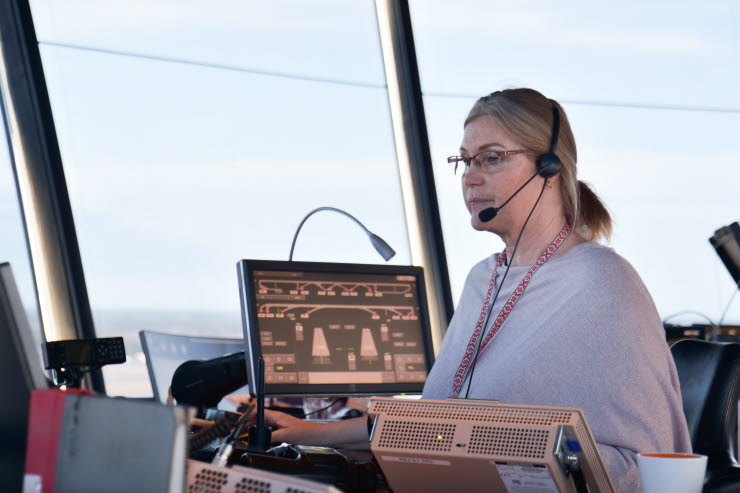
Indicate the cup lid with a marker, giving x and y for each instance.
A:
(672, 455)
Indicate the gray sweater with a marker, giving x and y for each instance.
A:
(585, 334)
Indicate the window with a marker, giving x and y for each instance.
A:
(195, 137)
(650, 90)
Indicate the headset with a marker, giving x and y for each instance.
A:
(548, 165)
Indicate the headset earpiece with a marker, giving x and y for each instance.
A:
(548, 165)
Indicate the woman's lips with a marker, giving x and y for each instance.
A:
(476, 203)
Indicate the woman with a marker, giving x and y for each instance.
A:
(556, 319)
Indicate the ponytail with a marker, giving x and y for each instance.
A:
(593, 220)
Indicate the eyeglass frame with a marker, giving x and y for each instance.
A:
(473, 160)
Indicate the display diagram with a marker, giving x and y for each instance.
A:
(329, 328)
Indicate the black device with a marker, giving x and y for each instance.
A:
(726, 241)
(727, 333)
(335, 329)
(205, 383)
(20, 374)
(78, 353)
(675, 333)
(548, 165)
(70, 359)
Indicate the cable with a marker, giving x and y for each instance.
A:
(218, 66)
(201, 423)
(608, 104)
(490, 307)
(686, 312)
(240, 424)
(727, 308)
(219, 429)
(450, 95)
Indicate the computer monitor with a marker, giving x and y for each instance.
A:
(335, 329)
(480, 446)
(20, 373)
(166, 352)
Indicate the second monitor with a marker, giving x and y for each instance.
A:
(335, 329)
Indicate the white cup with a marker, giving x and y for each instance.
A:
(672, 473)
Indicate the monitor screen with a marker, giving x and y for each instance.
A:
(166, 352)
(21, 371)
(335, 329)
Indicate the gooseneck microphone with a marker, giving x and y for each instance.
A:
(383, 248)
(487, 214)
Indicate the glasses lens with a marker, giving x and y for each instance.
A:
(488, 160)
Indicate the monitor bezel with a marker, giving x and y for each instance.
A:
(253, 348)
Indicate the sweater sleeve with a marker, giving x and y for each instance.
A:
(631, 397)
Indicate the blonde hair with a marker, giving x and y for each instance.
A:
(526, 115)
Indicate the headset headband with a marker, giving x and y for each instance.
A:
(555, 127)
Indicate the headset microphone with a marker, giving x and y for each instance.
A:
(487, 214)
(548, 165)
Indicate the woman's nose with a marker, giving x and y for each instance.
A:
(472, 176)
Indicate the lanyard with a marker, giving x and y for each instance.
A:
(462, 370)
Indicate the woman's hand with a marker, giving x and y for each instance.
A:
(289, 429)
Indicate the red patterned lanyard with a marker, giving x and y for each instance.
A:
(462, 370)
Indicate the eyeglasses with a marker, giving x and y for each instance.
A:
(486, 161)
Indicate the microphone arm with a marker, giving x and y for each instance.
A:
(487, 214)
(383, 248)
